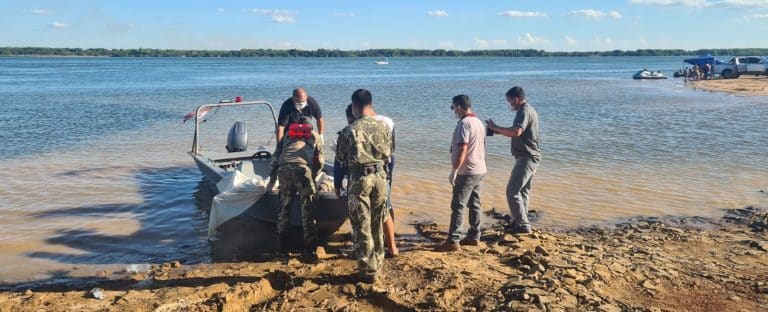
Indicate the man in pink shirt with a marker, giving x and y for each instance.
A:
(468, 160)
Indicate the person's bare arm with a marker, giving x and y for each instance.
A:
(280, 133)
(461, 157)
(320, 125)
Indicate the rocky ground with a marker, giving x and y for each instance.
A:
(642, 264)
(746, 85)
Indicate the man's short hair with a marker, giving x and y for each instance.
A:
(516, 92)
(298, 91)
(362, 98)
(349, 113)
(462, 101)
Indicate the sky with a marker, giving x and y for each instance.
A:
(554, 25)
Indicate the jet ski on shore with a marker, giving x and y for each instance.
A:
(646, 74)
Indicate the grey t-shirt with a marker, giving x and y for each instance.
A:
(470, 131)
(528, 143)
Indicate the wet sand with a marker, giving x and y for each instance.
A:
(643, 264)
(746, 86)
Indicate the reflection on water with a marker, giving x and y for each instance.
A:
(95, 173)
(166, 224)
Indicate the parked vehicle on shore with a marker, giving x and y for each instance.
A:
(743, 65)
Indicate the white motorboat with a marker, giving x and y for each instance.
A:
(241, 176)
(646, 74)
(382, 62)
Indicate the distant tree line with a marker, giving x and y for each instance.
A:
(141, 52)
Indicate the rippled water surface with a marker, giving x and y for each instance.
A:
(96, 174)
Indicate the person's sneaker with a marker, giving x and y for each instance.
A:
(448, 247)
(469, 242)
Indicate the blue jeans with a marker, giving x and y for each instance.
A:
(466, 194)
(519, 189)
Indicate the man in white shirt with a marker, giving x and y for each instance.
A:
(389, 224)
(468, 171)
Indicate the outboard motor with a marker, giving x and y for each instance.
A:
(237, 140)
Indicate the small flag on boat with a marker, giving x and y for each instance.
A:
(192, 114)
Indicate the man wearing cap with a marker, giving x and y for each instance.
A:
(525, 147)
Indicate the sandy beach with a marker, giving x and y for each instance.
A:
(643, 264)
(745, 86)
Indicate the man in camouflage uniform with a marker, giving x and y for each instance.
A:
(364, 148)
(299, 154)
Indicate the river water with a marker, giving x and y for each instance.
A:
(95, 172)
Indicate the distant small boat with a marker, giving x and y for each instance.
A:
(646, 74)
(382, 62)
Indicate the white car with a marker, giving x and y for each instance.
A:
(743, 65)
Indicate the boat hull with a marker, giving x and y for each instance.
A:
(331, 212)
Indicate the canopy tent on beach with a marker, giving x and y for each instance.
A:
(701, 60)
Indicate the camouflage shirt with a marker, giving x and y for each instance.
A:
(365, 141)
(299, 151)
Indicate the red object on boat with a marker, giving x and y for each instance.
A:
(238, 99)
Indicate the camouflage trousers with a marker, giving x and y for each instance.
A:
(367, 198)
(297, 178)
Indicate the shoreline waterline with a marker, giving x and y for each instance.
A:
(96, 173)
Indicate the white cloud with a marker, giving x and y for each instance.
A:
(500, 42)
(674, 3)
(730, 4)
(521, 14)
(480, 43)
(277, 16)
(531, 40)
(440, 13)
(744, 4)
(42, 12)
(570, 41)
(445, 45)
(350, 14)
(58, 25)
(283, 19)
(756, 17)
(594, 14)
(220, 10)
(365, 44)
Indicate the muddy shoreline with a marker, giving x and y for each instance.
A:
(743, 86)
(642, 264)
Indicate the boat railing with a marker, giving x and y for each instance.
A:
(195, 141)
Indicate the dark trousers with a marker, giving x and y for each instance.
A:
(466, 194)
(519, 189)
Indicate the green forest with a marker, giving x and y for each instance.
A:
(141, 52)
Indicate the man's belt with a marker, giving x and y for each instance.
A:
(366, 169)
